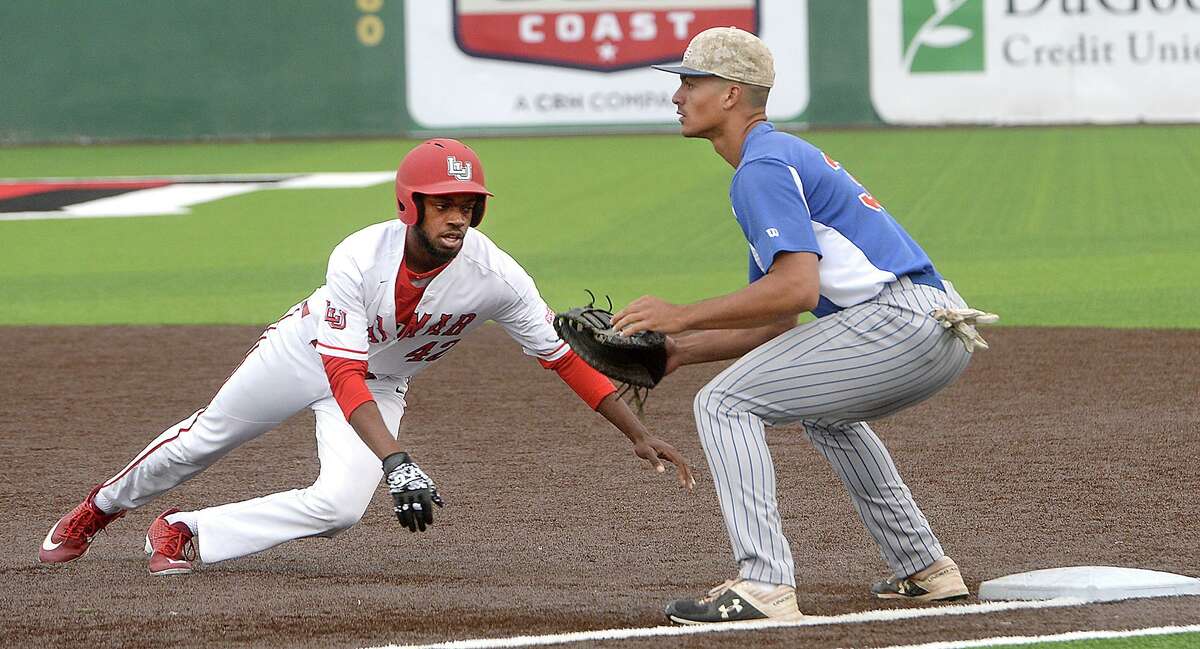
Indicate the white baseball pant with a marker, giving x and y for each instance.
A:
(831, 376)
(281, 375)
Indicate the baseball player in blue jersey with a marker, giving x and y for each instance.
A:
(889, 332)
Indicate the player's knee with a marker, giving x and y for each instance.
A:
(344, 519)
(348, 511)
(709, 400)
(334, 513)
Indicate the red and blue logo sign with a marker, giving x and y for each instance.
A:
(599, 35)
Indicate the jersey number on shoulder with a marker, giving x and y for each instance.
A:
(865, 197)
(422, 353)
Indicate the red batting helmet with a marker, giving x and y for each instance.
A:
(439, 166)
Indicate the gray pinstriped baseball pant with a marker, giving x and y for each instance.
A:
(831, 376)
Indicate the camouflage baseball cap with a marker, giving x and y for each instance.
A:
(729, 53)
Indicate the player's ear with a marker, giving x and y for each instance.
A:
(419, 205)
(732, 96)
(477, 211)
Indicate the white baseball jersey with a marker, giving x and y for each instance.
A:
(352, 316)
(355, 311)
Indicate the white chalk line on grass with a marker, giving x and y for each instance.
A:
(883, 615)
(1061, 637)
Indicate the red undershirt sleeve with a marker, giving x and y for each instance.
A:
(590, 385)
(348, 381)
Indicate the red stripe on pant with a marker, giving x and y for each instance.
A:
(195, 418)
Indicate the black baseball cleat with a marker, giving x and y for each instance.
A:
(736, 601)
(945, 583)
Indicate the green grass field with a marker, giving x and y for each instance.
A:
(1173, 641)
(1046, 226)
(1086, 226)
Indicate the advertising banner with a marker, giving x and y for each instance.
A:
(1035, 61)
(532, 63)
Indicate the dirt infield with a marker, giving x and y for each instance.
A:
(1058, 447)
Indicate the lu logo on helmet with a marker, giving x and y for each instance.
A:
(460, 170)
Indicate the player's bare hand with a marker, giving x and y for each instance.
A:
(413, 493)
(649, 313)
(655, 450)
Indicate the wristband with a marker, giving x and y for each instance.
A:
(394, 460)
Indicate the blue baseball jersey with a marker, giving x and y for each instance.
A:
(788, 196)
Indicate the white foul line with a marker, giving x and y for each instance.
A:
(1061, 637)
(883, 615)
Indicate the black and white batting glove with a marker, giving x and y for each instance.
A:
(413, 492)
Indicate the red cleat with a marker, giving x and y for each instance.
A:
(72, 535)
(170, 546)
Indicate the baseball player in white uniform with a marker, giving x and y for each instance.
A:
(398, 296)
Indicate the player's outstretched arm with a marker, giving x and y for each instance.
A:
(693, 347)
(413, 492)
(790, 287)
(646, 446)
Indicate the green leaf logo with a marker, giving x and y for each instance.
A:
(943, 35)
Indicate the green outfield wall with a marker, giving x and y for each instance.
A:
(84, 70)
(192, 69)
